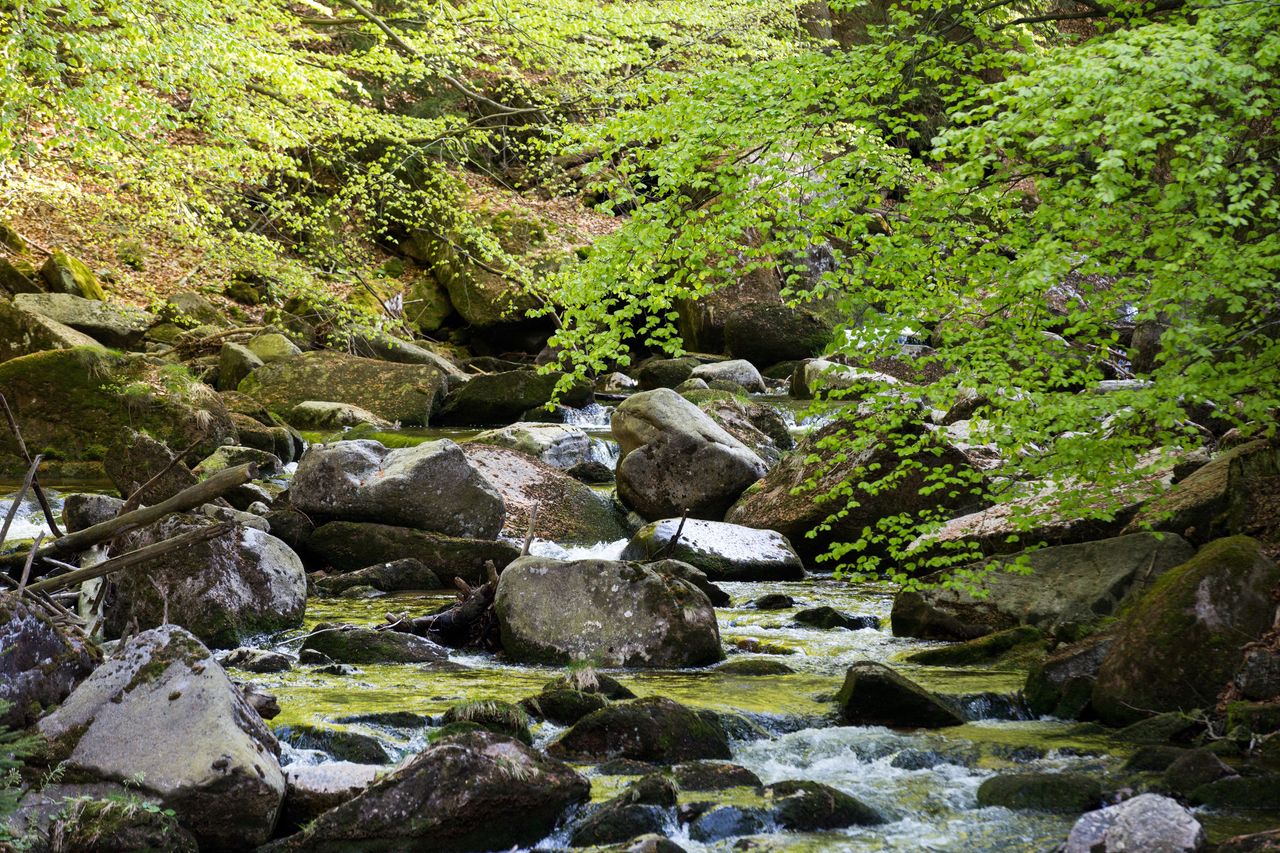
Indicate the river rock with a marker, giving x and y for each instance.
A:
(568, 511)
(1068, 587)
(675, 458)
(827, 618)
(608, 612)
(1180, 644)
(135, 459)
(819, 378)
(24, 332)
(643, 808)
(666, 372)
(395, 576)
(231, 455)
(713, 776)
(1149, 823)
(724, 552)
(766, 333)
(79, 400)
(562, 705)
(806, 806)
(162, 712)
(63, 273)
(875, 695)
(555, 444)
(40, 663)
(273, 346)
(404, 393)
(738, 370)
(1062, 684)
(653, 729)
(474, 791)
(755, 424)
(223, 590)
(1195, 767)
(781, 502)
(351, 644)
(428, 487)
(1070, 793)
(500, 398)
(313, 789)
(111, 324)
(320, 415)
(351, 546)
(260, 661)
(83, 510)
(499, 717)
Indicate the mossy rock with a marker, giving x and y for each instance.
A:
(653, 729)
(73, 403)
(65, 274)
(804, 806)
(713, 776)
(1180, 644)
(350, 546)
(350, 644)
(23, 332)
(341, 744)
(1192, 769)
(1257, 718)
(1170, 728)
(1247, 793)
(1061, 685)
(666, 372)
(1018, 645)
(18, 277)
(562, 705)
(501, 398)
(427, 304)
(754, 666)
(874, 694)
(501, 718)
(1064, 793)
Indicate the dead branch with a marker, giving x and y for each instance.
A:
(528, 536)
(675, 540)
(17, 501)
(26, 569)
(26, 457)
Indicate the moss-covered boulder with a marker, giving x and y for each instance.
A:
(1180, 644)
(40, 662)
(18, 277)
(235, 363)
(427, 305)
(503, 718)
(340, 744)
(1009, 645)
(724, 552)
(875, 695)
(1193, 768)
(1061, 685)
(1067, 793)
(407, 393)
(72, 403)
(644, 808)
(766, 333)
(395, 576)
(757, 425)
(63, 273)
(352, 644)
(713, 776)
(754, 667)
(563, 705)
(555, 444)
(567, 510)
(827, 618)
(272, 346)
(806, 806)
(652, 729)
(135, 459)
(1240, 793)
(348, 546)
(161, 713)
(500, 398)
(313, 789)
(1068, 589)
(608, 612)
(23, 332)
(110, 323)
(666, 372)
(472, 791)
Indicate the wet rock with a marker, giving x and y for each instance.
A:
(223, 590)
(500, 398)
(685, 572)
(324, 415)
(875, 695)
(739, 370)
(568, 511)
(352, 546)
(1194, 768)
(1062, 684)
(312, 789)
(404, 393)
(774, 601)
(563, 706)
(918, 759)
(500, 717)
(1180, 644)
(713, 776)
(111, 324)
(1012, 642)
(340, 744)
(256, 660)
(827, 618)
(641, 809)
(724, 552)
(613, 613)
(653, 729)
(804, 806)
(1068, 793)
(474, 791)
(350, 644)
(1068, 587)
(1149, 822)
(161, 711)
(990, 705)
(781, 502)
(1240, 793)
(1172, 727)
(24, 332)
(40, 663)
(555, 444)
(428, 487)
(754, 666)
(675, 458)
(720, 822)
(82, 511)
(395, 576)
(63, 273)
(766, 333)
(626, 767)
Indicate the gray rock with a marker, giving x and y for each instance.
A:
(739, 370)
(1259, 675)
(875, 695)
(319, 414)
(351, 644)
(190, 306)
(819, 377)
(84, 510)
(162, 712)
(400, 351)
(555, 444)
(676, 458)
(135, 458)
(235, 363)
(111, 324)
(23, 332)
(428, 487)
(350, 546)
(498, 398)
(231, 455)
(40, 663)
(724, 552)
(223, 590)
(256, 660)
(612, 613)
(273, 346)
(313, 789)
(1148, 823)
(394, 576)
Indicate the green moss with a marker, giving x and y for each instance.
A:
(1016, 646)
(502, 718)
(71, 275)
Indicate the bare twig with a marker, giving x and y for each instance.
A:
(26, 457)
(26, 569)
(675, 540)
(17, 501)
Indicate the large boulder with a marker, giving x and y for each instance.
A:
(555, 444)
(162, 714)
(653, 729)
(1068, 588)
(500, 398)
(353, 644)
(1062, 684)
(676, 459)
(821, 378)
(1179, 646)
(766, 333)
(40, 663)
(404, 393)
(322, 415)
(474, 791)
(739, 371)
(313, 789)
(349, 546)
(72, 403)
(135, 459)
(431, 486)
(724, 552)
(1149, 823)
(875, 695)
(23, 332)
(109, 323)
(757, 425)
(224, 590)
(63, 273)
(567, 511)
(608, 612)
(783, 502)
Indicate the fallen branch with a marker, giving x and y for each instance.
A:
(26, 569)
(675, 540)
(17, 500)
(26, 457)
(190, 498)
